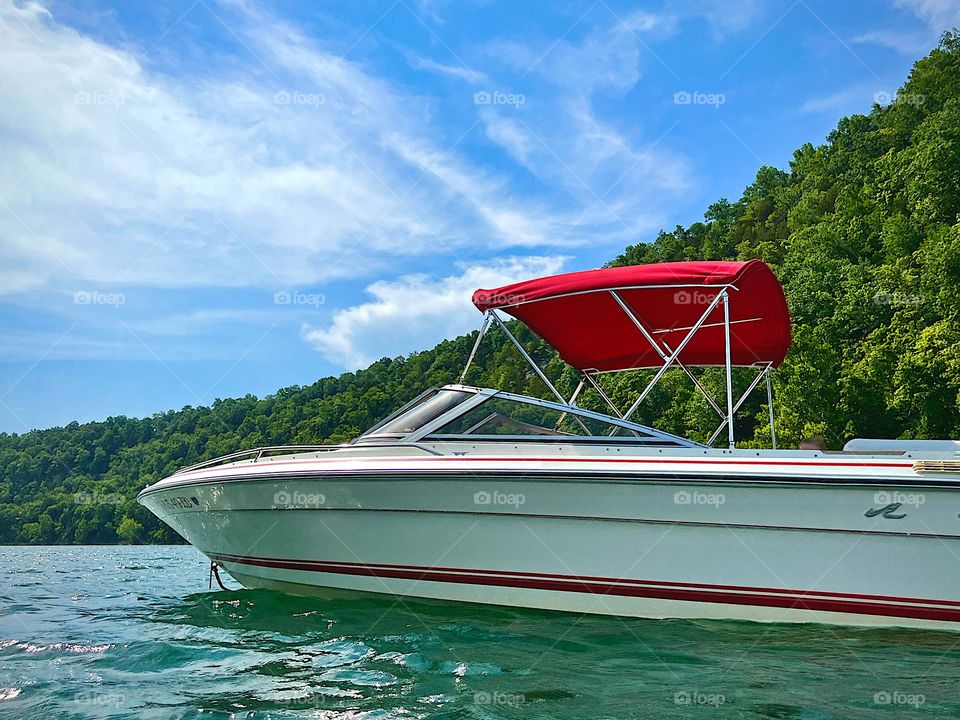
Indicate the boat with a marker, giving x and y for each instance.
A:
(481, 495)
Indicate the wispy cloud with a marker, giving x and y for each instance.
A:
(416, 311)
(724, 17)
(454, 71)
(905, 42)
(859, 98)
(293, 171)
(616, 175)
(937, 16)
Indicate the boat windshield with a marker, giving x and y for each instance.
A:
(459, 412)
(501, 416)
(425, 409)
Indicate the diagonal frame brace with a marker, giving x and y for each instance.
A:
(655, 344)
(764, 373)
(671, 359)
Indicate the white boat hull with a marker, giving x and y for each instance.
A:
(772, 543)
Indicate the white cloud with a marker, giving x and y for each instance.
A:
(854, 99)
(459, 72)
(937, 15)
(292, 172)
(607, 58)
(725, 17)
(511, 135)
(512, 224)
(203, 322)
(417, 311)
(904, 42)
(615, 174)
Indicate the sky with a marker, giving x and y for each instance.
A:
(209, 198)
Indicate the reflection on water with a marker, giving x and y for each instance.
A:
(103, 632)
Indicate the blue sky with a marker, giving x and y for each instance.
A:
(203, 198)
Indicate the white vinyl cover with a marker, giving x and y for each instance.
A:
(867, 445)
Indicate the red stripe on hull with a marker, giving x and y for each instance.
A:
(588, 459)
(789, 599)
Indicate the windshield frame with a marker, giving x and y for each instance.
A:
(376, 432)
(409, 405)
(647, 435)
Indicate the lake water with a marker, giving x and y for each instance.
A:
(132, 632)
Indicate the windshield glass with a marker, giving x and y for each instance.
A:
(501, 416)
(429, 408)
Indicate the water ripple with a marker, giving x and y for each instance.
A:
(132, 633)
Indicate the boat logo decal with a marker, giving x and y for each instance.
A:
(886, 512)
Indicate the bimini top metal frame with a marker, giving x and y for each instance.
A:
(669, 356)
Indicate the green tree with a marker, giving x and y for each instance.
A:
(129, 531)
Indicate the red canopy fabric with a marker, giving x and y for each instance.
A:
(578, 316)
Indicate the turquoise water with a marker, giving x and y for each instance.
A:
(132, 632)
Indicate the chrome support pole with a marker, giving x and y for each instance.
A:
(606, 398)
(703, 391)
(526, 356)
(736, 407)
(726, 337)
(571, 401)
(601, 393)
(643, 330)
(773, 431)
(476, 345)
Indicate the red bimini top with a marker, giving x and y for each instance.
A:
(578, 314)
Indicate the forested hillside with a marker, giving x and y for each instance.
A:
(863, 232)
